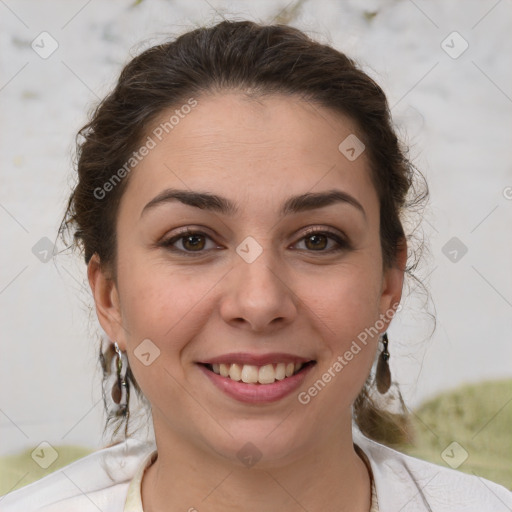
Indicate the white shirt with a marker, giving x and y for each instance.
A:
(109, 480)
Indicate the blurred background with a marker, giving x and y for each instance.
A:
(443, 67)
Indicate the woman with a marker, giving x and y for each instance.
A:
(239, 204)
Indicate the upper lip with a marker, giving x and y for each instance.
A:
(256, 359)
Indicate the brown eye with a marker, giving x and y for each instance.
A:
(323, 242)
(190, 243)
(193, 242)
(316, 242)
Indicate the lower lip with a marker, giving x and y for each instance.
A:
(257, 393)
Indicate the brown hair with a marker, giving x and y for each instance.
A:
(242, 56)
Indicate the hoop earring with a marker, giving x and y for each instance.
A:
(383, 373)
(120, 390)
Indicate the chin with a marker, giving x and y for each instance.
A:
(262, 443)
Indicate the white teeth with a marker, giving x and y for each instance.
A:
(235, 372)
(267, 374)
(251, 374)
(280, 371)
(224, 370)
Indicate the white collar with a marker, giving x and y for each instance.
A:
(133, 501)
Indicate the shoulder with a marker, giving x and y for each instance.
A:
(409, 484)
(97, 482)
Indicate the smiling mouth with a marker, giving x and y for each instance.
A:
(253, 374)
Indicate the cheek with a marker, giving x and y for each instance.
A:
(164, 308)
(163, 305)
(345, 307)
(345, 301)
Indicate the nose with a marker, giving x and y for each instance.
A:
(258, 297)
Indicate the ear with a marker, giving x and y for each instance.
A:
(392, 284)
(106, 299)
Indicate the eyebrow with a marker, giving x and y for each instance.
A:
(219, 204)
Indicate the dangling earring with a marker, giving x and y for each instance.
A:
(383, 374)
(120, 392)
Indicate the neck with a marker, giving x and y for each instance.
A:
(327, 476)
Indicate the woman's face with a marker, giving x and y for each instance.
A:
(252, 288)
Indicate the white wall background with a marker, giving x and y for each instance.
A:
(456, 113)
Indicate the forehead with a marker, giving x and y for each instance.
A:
(255, 150)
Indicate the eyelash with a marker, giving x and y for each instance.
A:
(342, 243)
